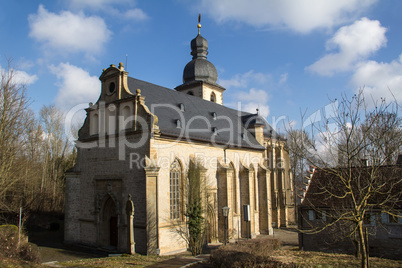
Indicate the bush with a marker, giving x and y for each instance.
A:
(29, 252)
(9, 240)
(9, 244)
(252, 253)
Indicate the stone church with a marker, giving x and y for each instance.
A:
(126, 191)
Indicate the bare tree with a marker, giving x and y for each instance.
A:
(352, 178)
(300, 146)
(15, 119)
(193, 229)
(56, 147)
(384, 134)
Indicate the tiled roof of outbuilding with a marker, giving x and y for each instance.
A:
(328, 187)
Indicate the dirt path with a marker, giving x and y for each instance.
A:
(51, 248)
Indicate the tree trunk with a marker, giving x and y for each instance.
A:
(363, 246)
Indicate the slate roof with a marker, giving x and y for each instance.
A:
(386, 180)
(197, 119)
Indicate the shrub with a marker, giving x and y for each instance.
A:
(29, 252)
(252, 253)
(9, 244)
(9, 240)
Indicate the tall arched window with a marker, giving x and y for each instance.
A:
(175, 175)
(213, 97)
(126, 111)
(94, 125)
(234, 189)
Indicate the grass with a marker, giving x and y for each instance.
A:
(289, 257)
(321, 260)
(136, 260)
(257, 253)
(267, 253)
(16, 263)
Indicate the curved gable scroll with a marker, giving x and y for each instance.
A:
(142, 116)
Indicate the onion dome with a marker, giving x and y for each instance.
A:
(199, 69)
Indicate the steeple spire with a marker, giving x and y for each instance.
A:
(199, 69)
(199, 24)
(200, 75)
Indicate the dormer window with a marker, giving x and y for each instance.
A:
(213, 97)
(214, 115)
(178, 123)
(181, 105)
(214, 130)
(243, 136)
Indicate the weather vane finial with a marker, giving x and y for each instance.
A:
(199, 23)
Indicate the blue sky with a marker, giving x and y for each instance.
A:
(282, 57)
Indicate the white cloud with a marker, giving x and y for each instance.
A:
(249, 98)
(68, 32)
(284, 78)
(252, 107)
(109, 7)
(243, 80)
(19, 77)
(76, 86)
(379, 79)
(301, 16)
(25, 78)
(355, 43)
(135, 14)
(97, 4)
(253, 95)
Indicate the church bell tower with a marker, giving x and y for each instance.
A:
(200, 75)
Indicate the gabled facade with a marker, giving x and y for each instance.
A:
(137, 140)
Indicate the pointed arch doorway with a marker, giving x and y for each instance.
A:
(110, 223)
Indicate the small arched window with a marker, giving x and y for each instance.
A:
(181, 105)
(175, 179)
(112, 87)
(213, 97)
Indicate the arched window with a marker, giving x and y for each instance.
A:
(175, 175)
(94, 125)
(125, 121)
(110, 122)
(234, 188)
(213, 97)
